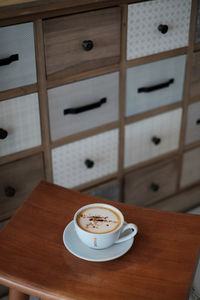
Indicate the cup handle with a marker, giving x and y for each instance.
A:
(130, 235)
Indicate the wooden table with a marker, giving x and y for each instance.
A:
(33, 259)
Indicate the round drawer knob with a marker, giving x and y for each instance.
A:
(3, 134)
(89, 163)
(154, 187)
(163, 28)
(156, 140)
(9, 191)
(87, 45)
(198, 122)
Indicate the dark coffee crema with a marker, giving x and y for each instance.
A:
(98, 219)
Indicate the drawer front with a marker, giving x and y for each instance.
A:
(197, 33)
(193, 123)
(152, 137)
(83, 105)
(108, 191)
(85, 160)
(155, 84)
(191, 167)
(17, 56)
(18, 179)
(157, 26)
(82, 42)
(195, 76)
(148, 185)
(19, 124)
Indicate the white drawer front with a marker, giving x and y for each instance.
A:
(17, 40)
(139, 145)
(69, 167)
(144, 37)
(19, 119)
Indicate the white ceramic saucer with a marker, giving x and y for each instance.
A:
(77, 248)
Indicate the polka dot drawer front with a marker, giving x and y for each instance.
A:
(85, 160)
(157, 26)
(19, 124)
(152, 137)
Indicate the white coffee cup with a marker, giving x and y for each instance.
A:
(101, 240)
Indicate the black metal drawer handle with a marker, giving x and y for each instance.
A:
(156, 140)
(163, 28)
(87, 45)
(154, 187)
(3, 134)
(78, 110)
(9, 60)
(89, 163)
(10, 191)
(198, 122)
(149, 89)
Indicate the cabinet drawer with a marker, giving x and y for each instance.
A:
(18, 179)
(191, 167)
(152, 137)
(157, 26)
(195, 76)
(19, 124)
(17, 56)
(155, 84)
(193, 123)
(83, 105)
(151, 184)
(83, 41)
(197, 33)
(108, 190)
(85, 160)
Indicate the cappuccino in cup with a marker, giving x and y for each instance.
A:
(99, 226)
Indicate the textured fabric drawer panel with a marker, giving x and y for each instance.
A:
(108, 190)
(157, 26)
(155, 84)
(19, 124)
(197, 33)
(151, 184)
(85, 160)
(82, 42)
(17, 56)
(83, 105)
(193, 123)
(191, 167)
(195, 76)
(152, 137)
(18, 179)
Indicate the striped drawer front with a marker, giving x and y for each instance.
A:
(85, 160)
(17, 56)
(152, 137)
(157, 26)
(19, 124)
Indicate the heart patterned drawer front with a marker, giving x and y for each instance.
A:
(17, 56)
(18, 179)
(157, 26)
(151, 184)
(82, 42)
(85, 160)
(108, 190)
(19, 124)
(152, 137)
(193, 124)
(83, 105)
(154, 84)
(191, 167)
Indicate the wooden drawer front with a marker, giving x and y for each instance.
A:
(155, 84)
(83, 41)
(195, 76)
(71, 107)
(193, 123)
(157, 26)
(86, 159)
(19, 124)
(191, 167)
(151, 184)
(152, 137)
(197, 35)
(108, 191)
(18, 179)
(17, 56)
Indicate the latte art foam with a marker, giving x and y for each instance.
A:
(98, 219)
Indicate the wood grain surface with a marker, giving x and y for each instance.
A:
(33, 259)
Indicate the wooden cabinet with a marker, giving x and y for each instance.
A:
(102, 97)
